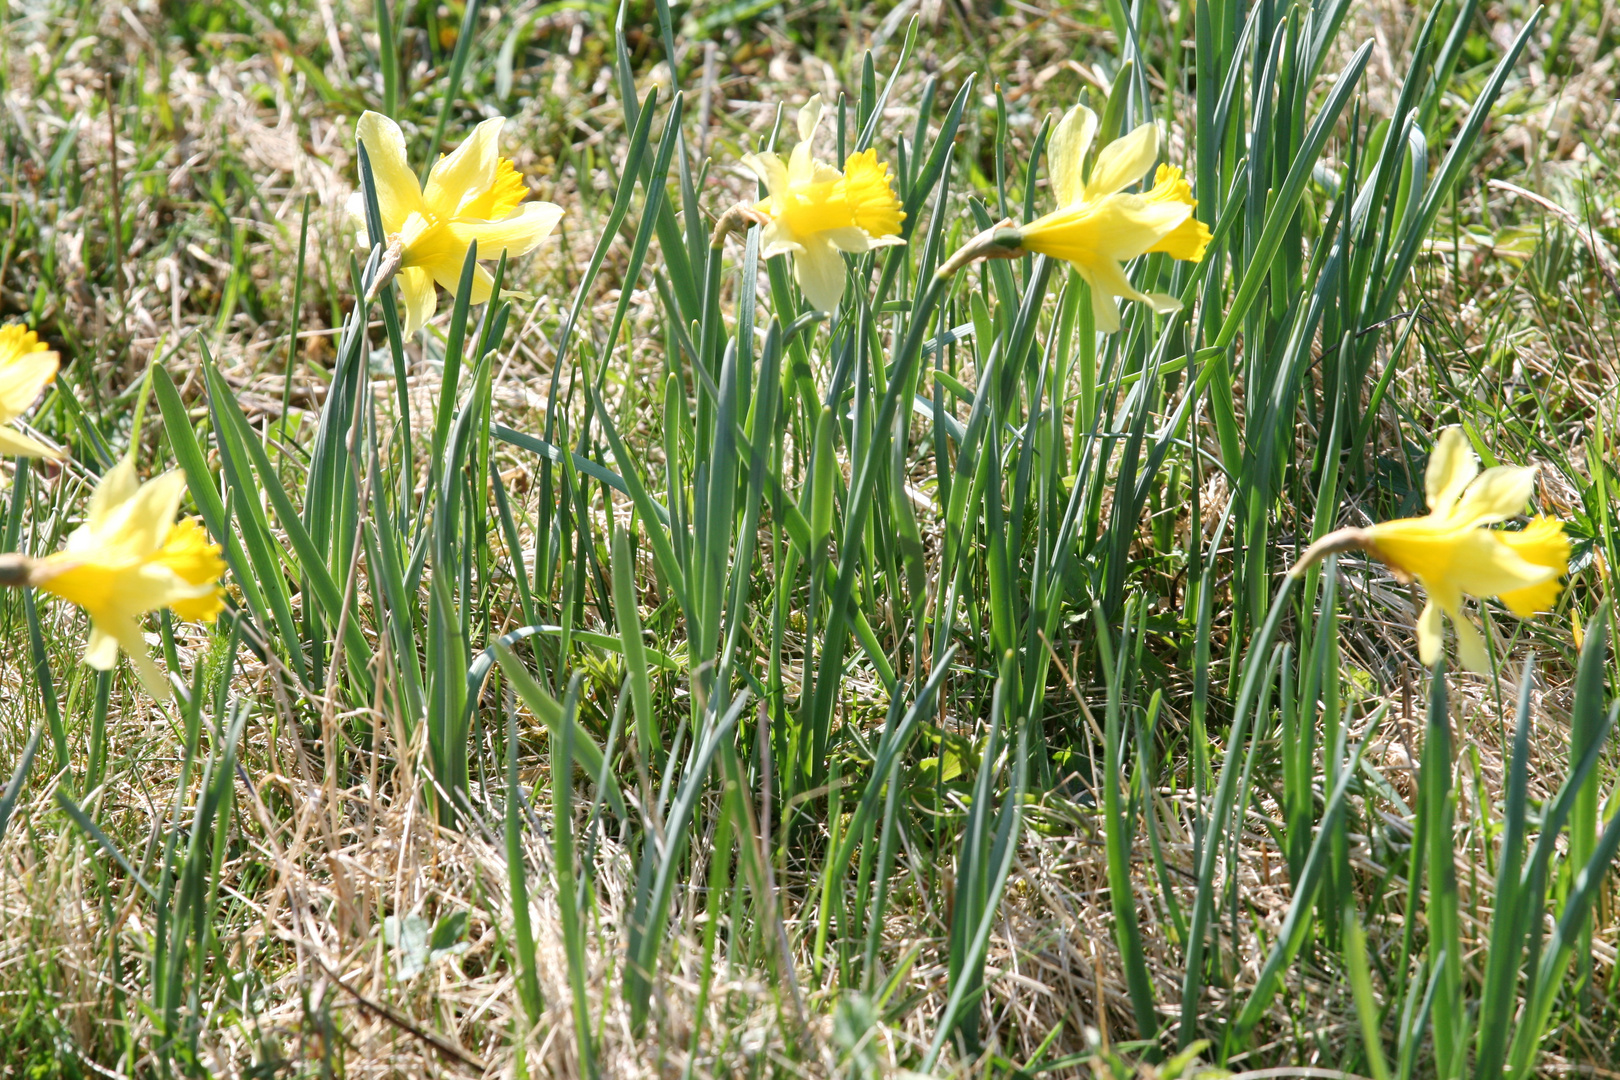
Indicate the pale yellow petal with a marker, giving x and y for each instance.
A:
(1124, 161)
(769, 170)
(1471, 652)
(1430, 634)
(398, 193)
(466, 172)
(1066, 153)
(418, 296)
(1496, 495)
(116, 487)
(1452, 465)
(517, 235)
(810, 118)
(101, 649)
(14, 443)
(819, 270)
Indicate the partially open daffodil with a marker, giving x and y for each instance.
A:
(1449, 553)
(27, 366)
(813, 211)
(1098, 226)
(471, 194)
(130, 557)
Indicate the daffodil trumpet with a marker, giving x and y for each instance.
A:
(1098, 226)
(1451, 552)
(472, 195)
(129, 558)
(815, 212)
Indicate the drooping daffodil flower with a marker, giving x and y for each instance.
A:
(1098, 225)
(1451, 554)
(814, 211)
(130, 557)
(472, 194)
(27, 366)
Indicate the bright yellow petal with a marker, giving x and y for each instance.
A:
(1541, 543)
(1066, 153)
(1123, 162)
(1496, 495)
(465, 174)
(398, 193)
(517, 234)
(1452, 465)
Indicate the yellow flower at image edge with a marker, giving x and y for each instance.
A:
(814, 211)
(1098, 226)
(131, 557)
(472, 194)
(27, 366)
(1451, 554)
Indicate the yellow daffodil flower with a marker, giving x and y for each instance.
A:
(1449, 553)
(26, 368)
(813, 211)
(471, 194)
(1098, 225)
(128, 558)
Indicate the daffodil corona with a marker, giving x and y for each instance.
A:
(814, 211)
(130, 557)
(26, 368)
(472, 194)
(1098, 226)
(1451, 554)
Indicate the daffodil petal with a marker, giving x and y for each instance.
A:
(101, 648)
(1471, 652)
(517, 235)
(118, 485)
(819, 271)
(769, 170)
(416, 290)
(1495, 495)
(850, 239)
(14, 443)
(466, 172)
(810, 118)
(21, 381)
(1066, 153)
(1104, 309)
(1452, 465)
(398, 193)
(1124, 161)
(1430, 634)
